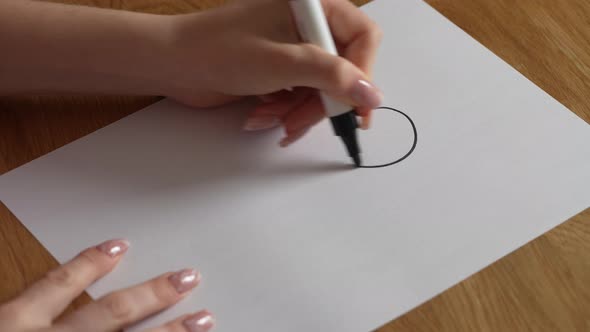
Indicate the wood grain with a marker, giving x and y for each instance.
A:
(543, 286)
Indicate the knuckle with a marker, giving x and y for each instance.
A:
(287, 57)
(118, 307)
(88, 258)
(89, 264)
(175, 326)
(163, 291)
(376, 32)
(336, 72)
(84, 265)
(61, 277)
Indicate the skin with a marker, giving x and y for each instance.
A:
(248, 48)
(201, 59)
(38, 308)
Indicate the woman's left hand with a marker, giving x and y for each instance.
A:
(40, 307)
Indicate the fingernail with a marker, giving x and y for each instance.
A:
(261, 123)
(202, 321)
(185, 280)
(114, 248)
(366, 94)
(365, 123)
(291, 138)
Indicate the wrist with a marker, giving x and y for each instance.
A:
(180, 66)
(133, 55)
(76, 49)
(147, 58)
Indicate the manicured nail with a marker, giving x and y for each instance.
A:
(185, 280)
(291, 138)
(114, 248)
(366, 94)
(261, 123)
(366, 122)
(202, 321)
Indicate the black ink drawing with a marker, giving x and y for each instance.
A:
(413, 144)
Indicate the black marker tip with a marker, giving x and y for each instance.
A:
(345, 126)
(357, 160)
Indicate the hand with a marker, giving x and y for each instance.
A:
(247, 48)
(37, 308)
(253, 48)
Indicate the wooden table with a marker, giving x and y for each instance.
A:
(543, 286)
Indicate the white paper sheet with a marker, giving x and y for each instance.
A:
(289, 239)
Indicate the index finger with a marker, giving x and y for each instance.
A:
(48, 297)
(358, 38)
(355, 33)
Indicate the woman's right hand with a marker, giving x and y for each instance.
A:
(253, 48)
(37, 309)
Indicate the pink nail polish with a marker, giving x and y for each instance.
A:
(202, 321)
(365, 94)
(261, 123)
(114, 248)
(185, 280)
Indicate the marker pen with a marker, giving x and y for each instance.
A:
(313, 28)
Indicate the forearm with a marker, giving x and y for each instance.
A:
(60, 48)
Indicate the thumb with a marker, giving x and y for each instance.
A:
(313, 67)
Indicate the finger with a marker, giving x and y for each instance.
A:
(122, 308)
(275, 96)
(267, 98)
(358, 35)
(308, 65)
(202, 321)
(298, 122)
(293, 137)
(304, 115)
(366, 115)
(48, 297)
(359, 38)
(270, 115)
